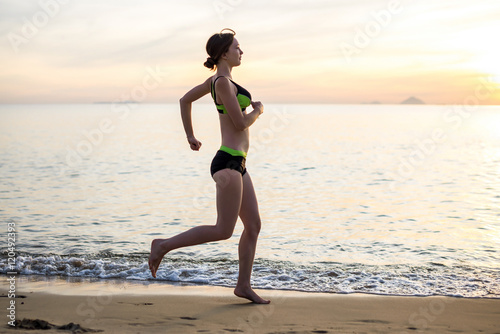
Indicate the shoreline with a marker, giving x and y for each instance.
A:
(115, 306)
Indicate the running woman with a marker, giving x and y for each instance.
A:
(235, 192)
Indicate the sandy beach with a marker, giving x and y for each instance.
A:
(123, 307)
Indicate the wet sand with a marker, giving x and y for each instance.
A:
(123, 307)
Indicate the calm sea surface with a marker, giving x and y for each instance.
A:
(386, 199)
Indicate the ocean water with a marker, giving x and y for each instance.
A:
(384, 199)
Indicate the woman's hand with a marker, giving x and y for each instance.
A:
(258, 105)
(194, 143)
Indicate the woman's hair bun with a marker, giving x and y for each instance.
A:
(217, 45)
(210, 63)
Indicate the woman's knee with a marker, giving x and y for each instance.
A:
(224, 233)
(253, 227)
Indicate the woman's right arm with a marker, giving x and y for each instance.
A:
(186, 103)
(241, 121)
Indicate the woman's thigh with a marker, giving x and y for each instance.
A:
(229, 187)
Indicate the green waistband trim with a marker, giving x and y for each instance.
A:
(233, 152)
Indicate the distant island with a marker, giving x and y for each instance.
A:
(410, 100)
(413, 100)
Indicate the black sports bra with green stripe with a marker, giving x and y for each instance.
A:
(244, 97)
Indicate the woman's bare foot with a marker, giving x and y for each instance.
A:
(249, 294)
(156, 255)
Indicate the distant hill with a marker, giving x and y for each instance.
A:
(413, 100)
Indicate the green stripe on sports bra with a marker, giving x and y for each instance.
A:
(243, 96)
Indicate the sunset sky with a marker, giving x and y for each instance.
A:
(295, 51)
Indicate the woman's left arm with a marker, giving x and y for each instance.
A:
(186, 102)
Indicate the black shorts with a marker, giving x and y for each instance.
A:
(223, 160)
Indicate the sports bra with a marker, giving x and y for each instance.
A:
(243, 96)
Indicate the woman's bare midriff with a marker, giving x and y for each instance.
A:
(232, 137)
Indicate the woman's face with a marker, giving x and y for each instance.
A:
(233, 55)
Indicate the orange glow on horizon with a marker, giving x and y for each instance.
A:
(84, 55)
